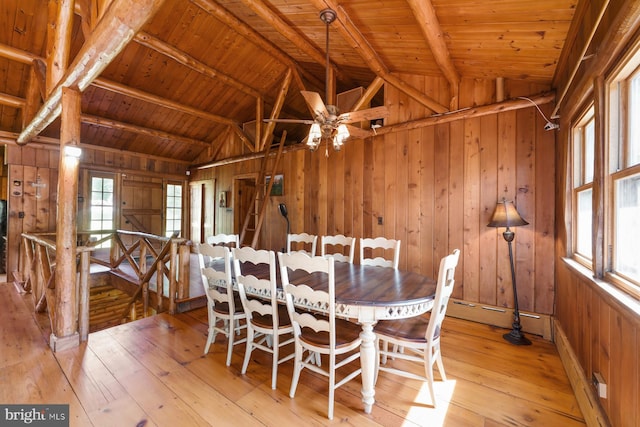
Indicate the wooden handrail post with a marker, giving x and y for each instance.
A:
(184, 255)
(173, 275)
(113, 250)
(83, 300)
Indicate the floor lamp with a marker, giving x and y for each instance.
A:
(506, 215)
(283, 211)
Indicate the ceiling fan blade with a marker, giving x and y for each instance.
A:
(355, 132)
(306, 122)
(314, 102)
(362, 115)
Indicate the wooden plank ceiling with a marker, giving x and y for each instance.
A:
(199, 69)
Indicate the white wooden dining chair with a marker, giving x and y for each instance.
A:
(302, 239)
(418, 336)
(338, 243)
(268, 324)
(222, 303)
(318, 333)
(380, 248)
(224, 240)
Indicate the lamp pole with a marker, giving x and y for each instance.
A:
(515, 336)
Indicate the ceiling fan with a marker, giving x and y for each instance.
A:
(328, 124)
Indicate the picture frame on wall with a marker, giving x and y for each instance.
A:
(222, 199)
(278, 185)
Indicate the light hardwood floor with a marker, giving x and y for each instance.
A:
(152, 372)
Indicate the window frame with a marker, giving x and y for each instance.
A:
(617, 145)
(115, 217)
(165, 209)
(579, 183)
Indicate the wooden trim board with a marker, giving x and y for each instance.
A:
(533, 323)
(584, 391)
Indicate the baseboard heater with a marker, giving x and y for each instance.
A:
(533, 323)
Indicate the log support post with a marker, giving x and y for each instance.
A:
(65, 328)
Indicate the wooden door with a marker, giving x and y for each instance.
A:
(202, 209)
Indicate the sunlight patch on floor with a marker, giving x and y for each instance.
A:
(423, 410)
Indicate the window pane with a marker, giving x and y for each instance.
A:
(174, 207)
(583, 241)
(627, 217)
(589, 150)
(634, 125)
(577, 160)
(101, 212)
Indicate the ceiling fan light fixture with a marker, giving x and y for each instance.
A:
(315, 135)
(341, 135)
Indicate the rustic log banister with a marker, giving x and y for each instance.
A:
(37, 269)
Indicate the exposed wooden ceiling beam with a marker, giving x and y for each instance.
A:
(467, 113)
(357, 41)
(11, 101)
(368, 94)
(28, 58)
(298, 39)
(140, 130)
(275, 112)
(54, 144)
(14, 101)
(118, 26)
(181, 57)
(254, 37)
(158, 100)
(59, 28)
(18, 55)
(427, 19)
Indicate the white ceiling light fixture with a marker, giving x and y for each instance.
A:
(328, 124)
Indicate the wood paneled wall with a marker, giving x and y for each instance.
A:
(434, 188)
(33, 186)
(605, 336)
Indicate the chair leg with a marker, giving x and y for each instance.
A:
(297, 367)
(275, 342)
(438, 356)
(230, 337)
(428, 368)
(211, 335)
(332, 385)
(376, 346)
(385, 349)
(249, 349)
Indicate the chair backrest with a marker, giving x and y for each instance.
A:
(224, 240)
(303, 294)
(215, 267)
(258, 296)
(383, 245)
(302, 238)
(444, 288)
(338, 240)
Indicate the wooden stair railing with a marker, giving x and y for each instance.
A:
(258, 206)
(170, 261)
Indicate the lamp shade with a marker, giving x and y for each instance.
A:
(315, 134)
(506, 215)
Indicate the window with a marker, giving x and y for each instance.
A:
(173, 212)
(583, 160)
(102, 207)
(623, 176)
